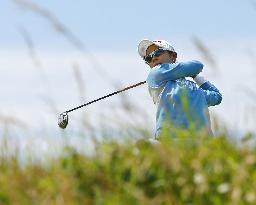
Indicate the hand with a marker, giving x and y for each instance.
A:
(200, 80)
(63, 120)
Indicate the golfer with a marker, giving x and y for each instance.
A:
(181, 103)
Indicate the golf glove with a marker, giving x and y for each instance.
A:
(63, 120)
(200, 80)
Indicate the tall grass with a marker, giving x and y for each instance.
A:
(189, 169)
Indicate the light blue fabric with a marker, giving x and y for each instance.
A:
(180, 102)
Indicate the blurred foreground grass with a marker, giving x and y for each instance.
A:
(185, 170)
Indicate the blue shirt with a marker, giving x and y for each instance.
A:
(180, 102)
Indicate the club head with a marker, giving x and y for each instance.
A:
(63, 120)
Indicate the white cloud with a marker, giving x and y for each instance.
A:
(22, 88)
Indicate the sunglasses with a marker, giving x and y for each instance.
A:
(155, 53)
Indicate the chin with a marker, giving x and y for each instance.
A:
(157, 63)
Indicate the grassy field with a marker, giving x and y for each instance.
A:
(189, 169)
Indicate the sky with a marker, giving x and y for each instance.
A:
(118, 25)
(37, 61)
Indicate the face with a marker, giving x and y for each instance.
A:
(165, 57)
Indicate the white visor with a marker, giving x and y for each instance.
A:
(145, 43)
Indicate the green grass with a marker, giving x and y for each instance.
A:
(184, 170)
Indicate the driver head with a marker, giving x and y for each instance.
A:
(63, 120)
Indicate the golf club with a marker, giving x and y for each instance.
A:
(63, 117)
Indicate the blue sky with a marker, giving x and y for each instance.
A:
(110, 30)
(120, 25)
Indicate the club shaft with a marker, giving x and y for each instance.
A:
(106, 96)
